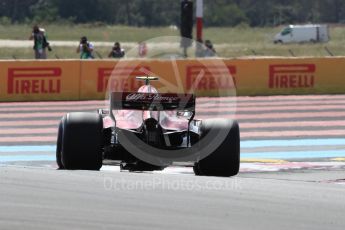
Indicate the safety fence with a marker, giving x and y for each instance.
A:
(90, 79)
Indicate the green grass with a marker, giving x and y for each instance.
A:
(94, 33)
(57, 53)
(229, 42)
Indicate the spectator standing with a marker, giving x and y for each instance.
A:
(142, 49)
(117, 51)
(40, 42)
(85, 48)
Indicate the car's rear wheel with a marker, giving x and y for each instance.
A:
(59, 147)
(82, 141)
(225, 160)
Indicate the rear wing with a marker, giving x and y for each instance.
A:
(152, 101)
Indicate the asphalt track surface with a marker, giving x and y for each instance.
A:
(292, 173)
(36, 198)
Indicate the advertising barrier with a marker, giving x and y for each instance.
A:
(97, 77)
(39, 80)
(279, 76)
(91, 79)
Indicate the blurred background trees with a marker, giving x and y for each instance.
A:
(163, 13)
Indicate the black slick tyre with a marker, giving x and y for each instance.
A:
(225, 159)
(82, 141)
(59, 147)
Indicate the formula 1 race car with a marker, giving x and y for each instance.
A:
(147, 130)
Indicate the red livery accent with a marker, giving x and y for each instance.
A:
(34, 80)
(292, 76)
(211, 77)
(119, 78)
